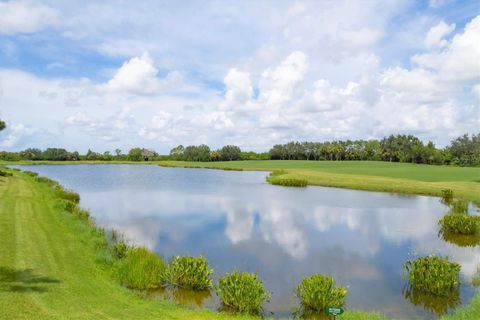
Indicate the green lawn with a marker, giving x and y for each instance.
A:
(366, 175)
(50, 269)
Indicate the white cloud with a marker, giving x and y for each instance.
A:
(277, 85)
(436, 34)
(25, 17)
(15, 133)
(459, 60)
(239, 89)
(137, 75)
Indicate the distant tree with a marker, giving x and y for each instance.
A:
(2, 125)
(197, 153)
(177, 153)
(118, 152)
(135, 154)
(465, 150)
(56, 154)
(215, 156)
(230, 153)
(31, 154)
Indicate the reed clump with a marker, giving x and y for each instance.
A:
(187, 272)
(433, 275)
(319, 291)
(141, 269)
(241, 292)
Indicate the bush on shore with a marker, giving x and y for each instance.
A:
(241, 292)
(189, 273)
(318, 291)
(433, 275)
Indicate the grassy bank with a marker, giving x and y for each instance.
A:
(51, 266)
(365, 175)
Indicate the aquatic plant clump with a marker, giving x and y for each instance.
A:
(318, 291)
(460, 224)
(459, 206)
(433, 275)
(141, 269)
(241, 292)
(188, 272)
(447, 196)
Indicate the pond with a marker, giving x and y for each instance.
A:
(238, 221)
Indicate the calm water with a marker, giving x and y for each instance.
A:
(238, 221)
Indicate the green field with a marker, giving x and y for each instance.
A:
(51, 265)
(366, 175)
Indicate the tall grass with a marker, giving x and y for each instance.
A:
(141, 269)
(276, 178)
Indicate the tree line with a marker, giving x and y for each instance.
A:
(462, 151)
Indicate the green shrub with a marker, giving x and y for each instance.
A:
(241, 292)
(318, 292)
(447, 196)
(189, 273)
(141, 269)
(433, 275)
(459, 224)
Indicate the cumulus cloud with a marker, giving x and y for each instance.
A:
(277, 85)
(25, 17)
(459, 60)
(436, 34)
(137, 75)
(15, 133)
(238, 89)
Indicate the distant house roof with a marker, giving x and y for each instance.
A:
(147, 153)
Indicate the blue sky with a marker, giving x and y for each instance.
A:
(117, 74)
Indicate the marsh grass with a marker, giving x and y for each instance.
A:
(141, 269)
(188, 272)
(433, 275)
(241, 292)
(317, 292)
(459, 206)
(276, 178)
(447, 196)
